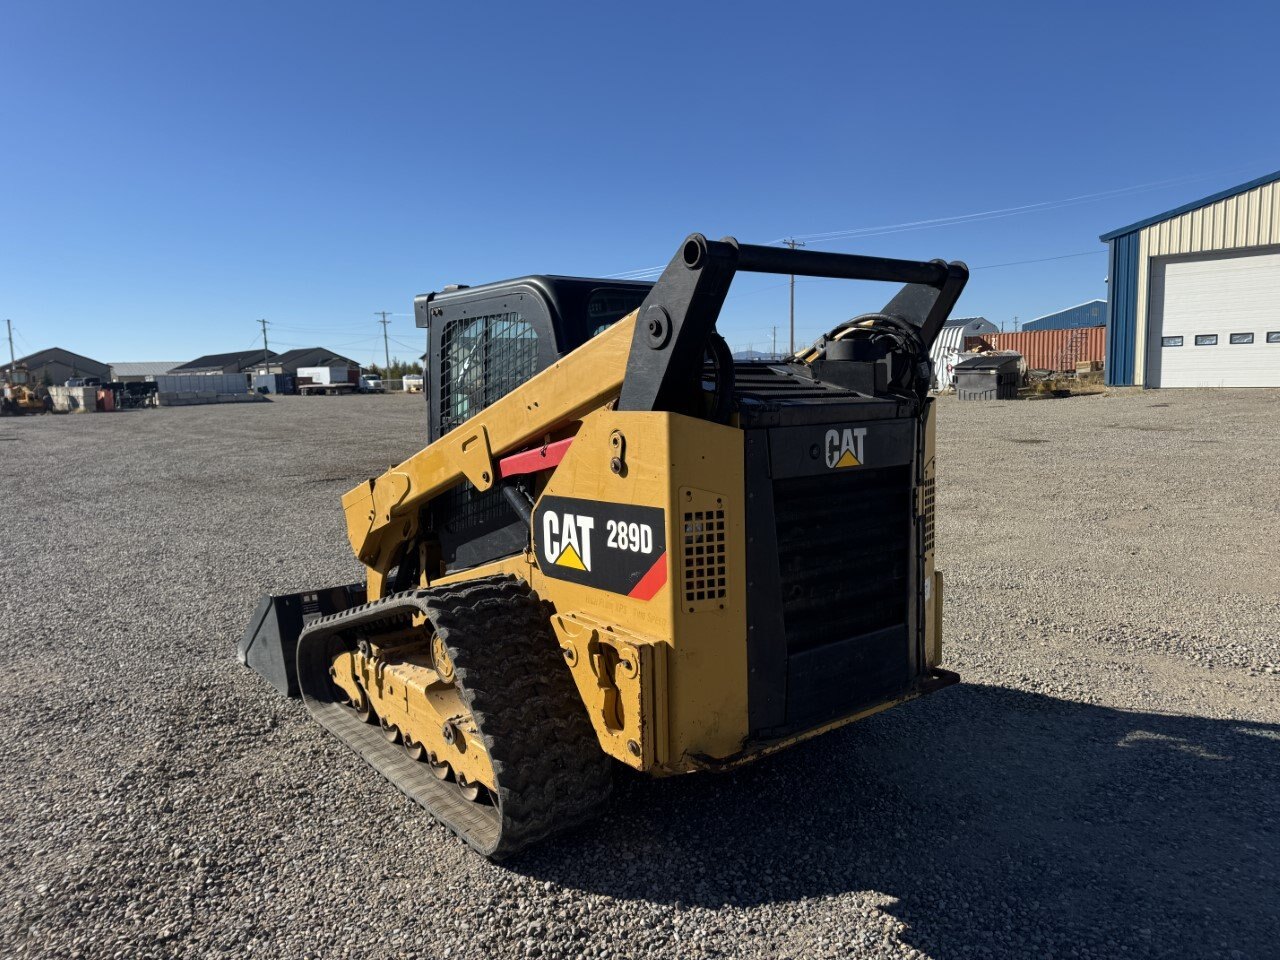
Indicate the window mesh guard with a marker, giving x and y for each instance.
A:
(483, 359)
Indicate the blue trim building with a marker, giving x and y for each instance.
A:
(1240, 218)
(1090, 314)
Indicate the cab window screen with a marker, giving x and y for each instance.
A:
(483, 359)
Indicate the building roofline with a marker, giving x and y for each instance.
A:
(72, 353)
(1075, 306)
(1193, 205)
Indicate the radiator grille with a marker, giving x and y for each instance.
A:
(844, 543)
(704, 556)
(927, 511)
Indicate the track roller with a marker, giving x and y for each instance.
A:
(492, 639)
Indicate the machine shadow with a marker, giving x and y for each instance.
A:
(992, 821)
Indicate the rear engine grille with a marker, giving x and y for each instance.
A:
(844, 543)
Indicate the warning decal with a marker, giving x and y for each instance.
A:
(617, 547)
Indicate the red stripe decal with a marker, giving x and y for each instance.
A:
(652, 581)
(531, 461)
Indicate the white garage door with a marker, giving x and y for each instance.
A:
(1215, 321)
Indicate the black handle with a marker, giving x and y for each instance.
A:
(843, 266)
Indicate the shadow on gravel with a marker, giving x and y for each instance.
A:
(1000, 823)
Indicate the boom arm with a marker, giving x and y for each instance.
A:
(382, 513)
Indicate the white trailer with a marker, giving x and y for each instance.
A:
(326, 380)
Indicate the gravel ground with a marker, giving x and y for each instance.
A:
(1106, 782)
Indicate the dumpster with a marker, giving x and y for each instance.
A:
(272, 383)
(988, 377)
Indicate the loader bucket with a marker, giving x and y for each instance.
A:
(270, 642)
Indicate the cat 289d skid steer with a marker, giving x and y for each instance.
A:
(621, 546)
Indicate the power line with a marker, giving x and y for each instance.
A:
(1061, 256)
(998, 213)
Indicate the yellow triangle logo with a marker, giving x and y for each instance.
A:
(847, 459)
(569, 558)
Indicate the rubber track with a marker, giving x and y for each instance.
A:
(550, 771)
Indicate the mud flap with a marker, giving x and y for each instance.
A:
(270, 642)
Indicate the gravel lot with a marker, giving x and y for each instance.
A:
(1106, 782)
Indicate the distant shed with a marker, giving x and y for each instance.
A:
(215, 364)
(951, 341)
(291, 360)
(141, 371)
(1092, 313)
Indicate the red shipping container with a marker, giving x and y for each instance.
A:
(1048, 349)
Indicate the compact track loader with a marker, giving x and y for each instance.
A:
(621, 546)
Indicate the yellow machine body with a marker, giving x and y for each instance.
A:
(622, 545)
(663, 678)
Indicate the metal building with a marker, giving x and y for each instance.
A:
(289, 361)
(214, 364)
(55, 366)
(1092, 313)
(142, 371)
(1193, 293)
(946, 349)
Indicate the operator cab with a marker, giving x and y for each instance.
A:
(485, 341)
(482, 343)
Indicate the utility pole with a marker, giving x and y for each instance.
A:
(386, 371)
(775, 343)
(266, 354)
(1015, 324)
(13, 361)
(793, 243)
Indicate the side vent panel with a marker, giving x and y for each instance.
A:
(926, 512)
(704, 583)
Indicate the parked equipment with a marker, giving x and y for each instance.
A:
(19, 396)
(620, 546)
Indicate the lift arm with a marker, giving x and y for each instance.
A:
(650, 360)
(382, 513)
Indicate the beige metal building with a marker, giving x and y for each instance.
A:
(55, 366)
(1195, 293)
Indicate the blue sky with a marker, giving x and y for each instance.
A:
(173, 172)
